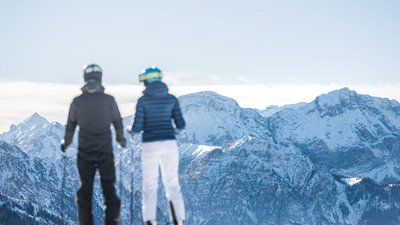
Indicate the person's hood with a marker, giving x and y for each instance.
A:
(156, 89)
(92, 86)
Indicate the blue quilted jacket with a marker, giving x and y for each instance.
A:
(155, 111)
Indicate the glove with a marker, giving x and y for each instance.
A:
(129, 129)
(134, 137)
(63, 146)
(122, 143)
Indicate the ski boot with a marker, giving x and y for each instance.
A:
(152, 222)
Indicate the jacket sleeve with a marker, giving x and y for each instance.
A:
(117, 121)
(177, 116)
(71, 123)
(139, 118)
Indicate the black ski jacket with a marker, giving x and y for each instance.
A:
(94, 112)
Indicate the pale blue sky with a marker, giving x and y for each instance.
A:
(203, 42)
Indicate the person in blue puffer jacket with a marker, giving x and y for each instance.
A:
(155, 111)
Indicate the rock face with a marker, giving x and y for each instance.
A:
(331, 161)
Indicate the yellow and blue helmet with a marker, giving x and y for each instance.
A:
(150, 75)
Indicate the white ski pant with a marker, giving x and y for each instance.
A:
(164, 155)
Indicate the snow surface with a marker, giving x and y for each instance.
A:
(271, 110)
(202, 149)
(352, 181)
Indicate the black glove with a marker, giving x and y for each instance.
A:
(122, 143)
(63, 147)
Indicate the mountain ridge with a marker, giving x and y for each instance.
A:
(238, 167)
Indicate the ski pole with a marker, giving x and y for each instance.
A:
(172, 213)
(120, 175)
(64, 162)
(132, 176)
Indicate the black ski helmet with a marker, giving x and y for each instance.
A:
(92, 72)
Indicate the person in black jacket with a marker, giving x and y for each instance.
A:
(155, 111)
(94, 112)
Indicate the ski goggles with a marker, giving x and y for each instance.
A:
(92, 68)
(148, 76)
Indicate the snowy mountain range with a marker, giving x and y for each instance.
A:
(334, 160)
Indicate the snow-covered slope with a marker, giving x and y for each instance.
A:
(218, 120)
(332, 161)
(339, 114)
(272, 109)
(259, 182)
(36, 184)
(36, 136)
(351, 134)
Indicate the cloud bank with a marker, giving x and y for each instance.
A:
(21, 99)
